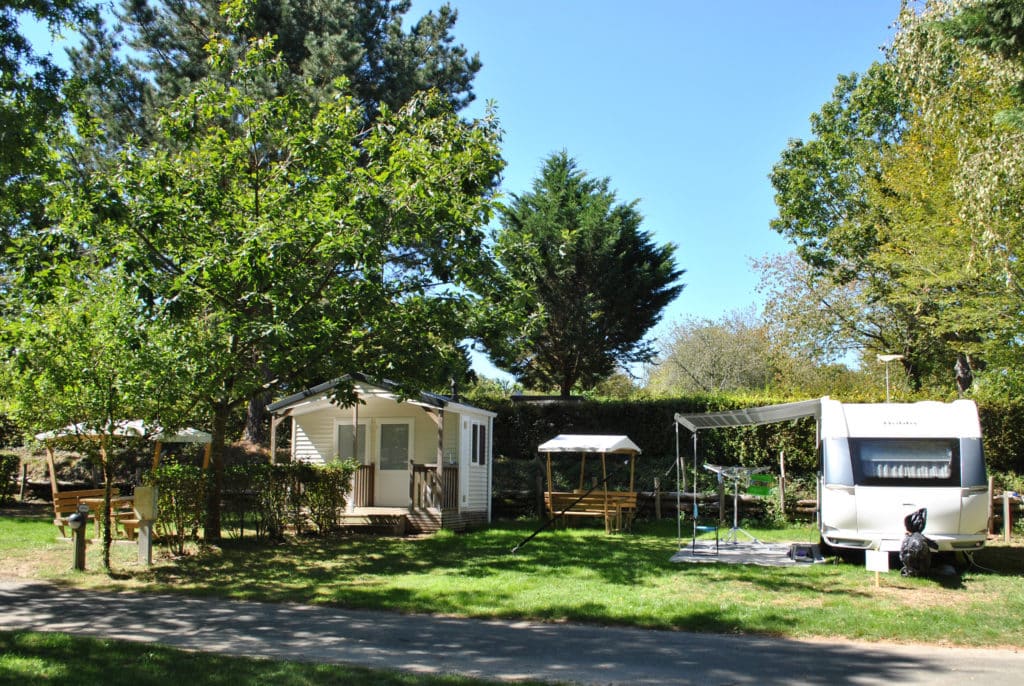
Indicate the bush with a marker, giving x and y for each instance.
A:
(9, 463)
(182, 502)
(521, 426)
(272, 497)
(326, 491)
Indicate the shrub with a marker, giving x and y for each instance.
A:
(182, 502)
(9, 463)
(272, 497)
(326, 491)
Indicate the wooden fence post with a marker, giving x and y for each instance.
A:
(782, 481)
(657, 498)
(1007, 520)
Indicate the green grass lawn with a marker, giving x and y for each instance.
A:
(29, 658)
(577, 574)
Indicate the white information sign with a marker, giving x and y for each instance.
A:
(876, 560)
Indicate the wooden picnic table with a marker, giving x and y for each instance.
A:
(118, 505)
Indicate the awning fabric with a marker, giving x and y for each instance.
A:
(583, 443)
(751, 416)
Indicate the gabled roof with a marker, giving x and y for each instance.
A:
(589, 443)
(751, 416)
(390, 387)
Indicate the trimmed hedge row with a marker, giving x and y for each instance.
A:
(522, 426)
(262, 497)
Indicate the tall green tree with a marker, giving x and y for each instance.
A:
(385, 64)
(32, 117)
(839, 202)
(282, 238)
(923, 223)
(92, 356)
(707, 356)
(157, 51)
(582, 282)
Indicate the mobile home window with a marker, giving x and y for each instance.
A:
(395, 440)
(479, 444)
(344, 447)
(906, 461)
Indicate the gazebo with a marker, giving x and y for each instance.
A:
(616, 507)
(135, 428)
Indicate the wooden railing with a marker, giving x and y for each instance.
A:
(430, 490)
(362, 486)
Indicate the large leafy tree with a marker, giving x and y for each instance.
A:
(283, 239)
(707, 356)
(92, 356)
(385, 65)
(32, 111)
(364, 41)
(917, 212)
(827, 192)
(583, 283)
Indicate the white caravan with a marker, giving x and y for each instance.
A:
(881, 461)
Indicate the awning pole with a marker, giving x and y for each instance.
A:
(694, 511)
(679, 508)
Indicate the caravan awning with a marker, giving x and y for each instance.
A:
(583, 443)
(751, 416)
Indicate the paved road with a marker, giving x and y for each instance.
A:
(492, 649)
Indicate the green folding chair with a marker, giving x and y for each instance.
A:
(699, 528)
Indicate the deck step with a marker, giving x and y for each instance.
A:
(390, 524)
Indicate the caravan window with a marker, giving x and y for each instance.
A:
(906, 461)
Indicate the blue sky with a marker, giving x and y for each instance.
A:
(683, 105)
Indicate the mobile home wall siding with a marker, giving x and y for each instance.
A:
(314, 438)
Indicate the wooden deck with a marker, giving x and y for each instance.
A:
(399, 521)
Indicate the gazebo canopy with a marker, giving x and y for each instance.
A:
(584, 443)
(134, 428)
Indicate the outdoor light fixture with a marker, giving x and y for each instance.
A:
(887, 358)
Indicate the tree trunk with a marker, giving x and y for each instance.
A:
(108, 476)
(257, 419)
(220, 422)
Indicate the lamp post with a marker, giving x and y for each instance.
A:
(887, 359)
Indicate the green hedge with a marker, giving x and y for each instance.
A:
(268, 498)
(521, 426)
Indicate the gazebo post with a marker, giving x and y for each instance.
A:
(694, 511)
(52, 467)
(206, 456)
(156, 454)
(604, 491)
(583, 469)
(551, 490)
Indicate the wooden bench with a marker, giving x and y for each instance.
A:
(65, 504)
(621, 506)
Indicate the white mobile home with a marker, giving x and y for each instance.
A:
(427, 457)
(881, 461)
